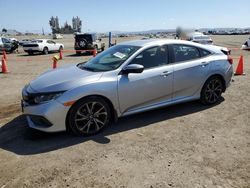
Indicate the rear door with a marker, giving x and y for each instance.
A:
(190, 70)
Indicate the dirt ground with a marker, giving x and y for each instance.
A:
(188, 145)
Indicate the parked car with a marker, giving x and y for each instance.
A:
(199, 38)
(85, 41)
(128, 78)
(15, 43)
(246, 45)
(43, 46)
(24, 41)
(57, 36)
(7, 45)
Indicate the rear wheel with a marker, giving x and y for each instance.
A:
(30, 53)
(45, 51)
(212, 90)
(61, 48)
(89, 116)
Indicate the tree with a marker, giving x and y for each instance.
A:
(54, 24)
(4, 30)
(76, 24)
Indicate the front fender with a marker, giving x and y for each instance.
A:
(106, 89)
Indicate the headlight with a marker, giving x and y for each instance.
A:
(43, 98)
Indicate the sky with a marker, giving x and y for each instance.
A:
(128, 15)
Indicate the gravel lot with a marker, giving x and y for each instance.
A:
(188, 145)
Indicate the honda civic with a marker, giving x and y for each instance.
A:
(129, 78)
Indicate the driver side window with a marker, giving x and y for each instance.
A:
(152, 57)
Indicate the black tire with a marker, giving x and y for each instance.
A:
(89, 116)
(60, 48)
(30, 53)
(78, 52)
(211, 91)
(45, 51)
(103, 48)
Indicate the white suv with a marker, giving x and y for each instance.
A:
(42, 45)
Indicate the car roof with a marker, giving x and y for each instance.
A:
(159, 42)
(153, 42)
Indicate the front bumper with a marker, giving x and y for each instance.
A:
(47, 117)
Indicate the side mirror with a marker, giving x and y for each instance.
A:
(133, 68)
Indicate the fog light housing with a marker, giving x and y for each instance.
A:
(39, 121)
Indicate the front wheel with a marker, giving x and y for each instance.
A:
(211, 91)
(89, 116)
(45, 51)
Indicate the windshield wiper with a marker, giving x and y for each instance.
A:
(88, 68)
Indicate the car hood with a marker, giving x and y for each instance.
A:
(63, 79)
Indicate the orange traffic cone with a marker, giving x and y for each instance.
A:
(4, 55)
(54, 63)
(239, 69)
(61, 55)
(4, 66)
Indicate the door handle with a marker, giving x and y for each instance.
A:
(166, 73)
(203, 64)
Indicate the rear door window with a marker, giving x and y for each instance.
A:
(185, 52)
(204, 53)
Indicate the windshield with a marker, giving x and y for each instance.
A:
(37, 41)
(110, 59)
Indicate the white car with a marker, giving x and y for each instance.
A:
(199, 38)
(42, 45)
(246, 45)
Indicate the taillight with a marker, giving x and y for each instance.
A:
(230, 59)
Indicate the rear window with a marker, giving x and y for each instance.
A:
(37, 41)
(86, 37)
(204, 53)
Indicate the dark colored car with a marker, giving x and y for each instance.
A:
(85, 41)
(7, 45)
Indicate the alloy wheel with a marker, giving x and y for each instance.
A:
(91, 117)
(213, 90)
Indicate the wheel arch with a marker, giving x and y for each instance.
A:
(219, 76)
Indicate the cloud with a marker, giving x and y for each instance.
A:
(125, 25)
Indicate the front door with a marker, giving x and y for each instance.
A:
(153, 86)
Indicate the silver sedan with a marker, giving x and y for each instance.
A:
(128, 78)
